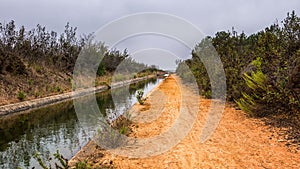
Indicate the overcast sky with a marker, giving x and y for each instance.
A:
(209, 16)
(88, 15)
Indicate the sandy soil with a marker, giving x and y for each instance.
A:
(238, 142)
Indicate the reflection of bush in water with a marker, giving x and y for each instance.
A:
(14, 126)
(141, 85)
(105, 101)
(35, 126)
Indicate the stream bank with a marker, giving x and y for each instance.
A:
(37, 103)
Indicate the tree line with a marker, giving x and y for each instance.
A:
(21, 48)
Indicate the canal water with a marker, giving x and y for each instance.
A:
(56, 127)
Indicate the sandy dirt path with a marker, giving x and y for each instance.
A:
(238, 142)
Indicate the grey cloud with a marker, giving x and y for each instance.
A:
(89, 15)
(209, 16)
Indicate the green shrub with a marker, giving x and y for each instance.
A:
(69, 79)
(21, 96)
(264, 97)
(38, 69)
(82, 165)
(58, 89)
(257, 82)
(123, 130)
(139, 96)
(37, 94)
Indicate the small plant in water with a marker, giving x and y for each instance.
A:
(139, 96)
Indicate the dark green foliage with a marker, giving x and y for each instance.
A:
(101, 70)
(113, 58)
(262, 70)
(11, 63)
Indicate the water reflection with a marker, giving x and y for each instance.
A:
(56, 127)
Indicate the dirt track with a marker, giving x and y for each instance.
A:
(238, 142)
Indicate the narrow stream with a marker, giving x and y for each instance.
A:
(57, 127)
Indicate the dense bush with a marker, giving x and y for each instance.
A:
(262, 70)
(37, 46)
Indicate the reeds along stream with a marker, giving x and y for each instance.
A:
(57, 127)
